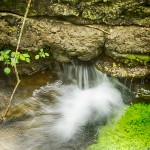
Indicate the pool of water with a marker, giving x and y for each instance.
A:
(48, 113)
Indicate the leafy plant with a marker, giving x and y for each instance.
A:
(8, 58)
(41, 54)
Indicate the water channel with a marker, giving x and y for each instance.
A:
(60, 108)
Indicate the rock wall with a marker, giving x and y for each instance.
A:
(115, 35)
(116, 12)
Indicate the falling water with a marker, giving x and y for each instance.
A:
(125, 81)
(142, 80)
(131, 84)
(83, 74)
(67, 112)
(128, 82)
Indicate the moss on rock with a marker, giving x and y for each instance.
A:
(117, 69)
(130, 59)
(131, 132)
(143, 59)
(118, 12)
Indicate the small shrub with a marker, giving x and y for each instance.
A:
(41, 54)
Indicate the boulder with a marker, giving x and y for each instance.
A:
(118, 12)
(84, 30)
(64, 39)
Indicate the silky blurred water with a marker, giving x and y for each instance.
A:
(64, 113)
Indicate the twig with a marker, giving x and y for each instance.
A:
(146, 38)
(15, 66)
(90, 26)
(10, 100)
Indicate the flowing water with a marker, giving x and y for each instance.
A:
(63, 114)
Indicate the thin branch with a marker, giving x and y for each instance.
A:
(15, 65)
(10, 100)
(90, 26)
(19, 40)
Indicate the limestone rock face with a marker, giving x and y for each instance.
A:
(128, 39)
(65, 40)
(75, 29)
(118, 69)
(129, 45)
(128, 52)
(118, 12)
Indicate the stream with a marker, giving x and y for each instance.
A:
(60, 111)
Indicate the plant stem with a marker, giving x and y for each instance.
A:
(15, 66)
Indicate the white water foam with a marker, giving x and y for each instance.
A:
(73, 107)
(80, 107)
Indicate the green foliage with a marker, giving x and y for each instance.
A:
(7, 70)
(8, 58)
(41, 54)
(131, 132)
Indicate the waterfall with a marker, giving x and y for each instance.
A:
(67, 112)
(83, 74)
(89, 97)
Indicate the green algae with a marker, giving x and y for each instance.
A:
(143, 59)
(131, 132)
(132, 59)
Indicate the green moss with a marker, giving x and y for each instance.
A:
(140, 11)
(117, 12)
(131, 132)
(102, 11)
(139, 58)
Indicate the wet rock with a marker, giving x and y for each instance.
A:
(141, 92)
(109, 66)
(38, 7)
(49, 25)
(65, 40)
(118, 12)
(131, 59)
(129, 45)
(128, 40)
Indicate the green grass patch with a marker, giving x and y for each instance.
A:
(131, 132)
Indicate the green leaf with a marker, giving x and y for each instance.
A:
(22, 57)
(37, 57)
(28, 60)
(17, 61)
(41, 50)
(7, 62)
(13, 54)
(12, 61)
(7, 51)
(6, 56)
(46, 54)
(18, 55)
(43, 55)
(1, 58)
(7, 70)
(26, 55)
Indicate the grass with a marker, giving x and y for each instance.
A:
(131, 132)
